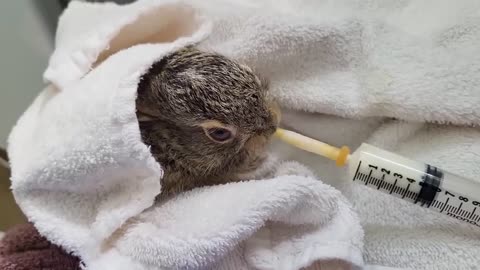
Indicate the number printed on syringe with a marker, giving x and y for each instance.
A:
(419, 183)
(410, 180)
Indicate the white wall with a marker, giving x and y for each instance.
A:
(25, 45)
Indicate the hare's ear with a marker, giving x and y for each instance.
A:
(143, 117)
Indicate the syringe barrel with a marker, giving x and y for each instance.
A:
(417, 182)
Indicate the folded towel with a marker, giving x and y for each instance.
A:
(23, 248)
(367, 60)
(287, 222)
(82, 175)
(416, 61)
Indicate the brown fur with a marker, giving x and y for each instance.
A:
(184, 95)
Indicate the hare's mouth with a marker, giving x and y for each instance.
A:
(252, 169)
(264, 168)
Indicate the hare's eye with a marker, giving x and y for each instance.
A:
(220, 134)
(218, 131)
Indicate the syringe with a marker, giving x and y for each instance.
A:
(422, 184)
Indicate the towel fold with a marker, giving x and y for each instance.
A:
(286, 222)
(82, 175)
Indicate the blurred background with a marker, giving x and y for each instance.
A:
(28, 33)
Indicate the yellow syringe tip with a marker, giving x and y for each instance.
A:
(342, 156)
(317, 147)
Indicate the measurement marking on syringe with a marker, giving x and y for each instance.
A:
(454, 211)
(445, 204)
(459, 207)
(429, 195)
(414, 181)
(473, 212)
(375, 181)
(405, 192)
(439, 205)
(394, 185)
(356, 172)
(369, 177)
(380, 183)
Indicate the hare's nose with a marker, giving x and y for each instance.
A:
(256, 144)
(276, 113)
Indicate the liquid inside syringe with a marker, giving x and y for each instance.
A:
(419, 183)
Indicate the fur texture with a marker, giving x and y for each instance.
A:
(185, 96)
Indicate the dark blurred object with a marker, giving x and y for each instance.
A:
(23, 248)
(10, 213)
(3, 156)
(64, 3)
(50, 11)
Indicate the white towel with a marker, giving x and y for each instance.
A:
(415, 60)
(411, 60)
(82, 175)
